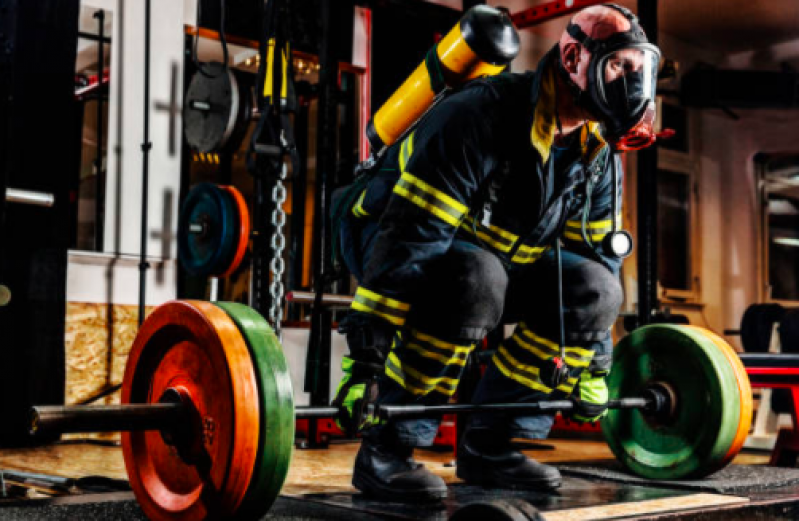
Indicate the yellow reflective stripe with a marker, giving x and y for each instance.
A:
(526, 331)
(357, 209)
(431, 199)
(415, 333)
(412, 388)
(376, 297)
(583, 359)
(501, 240)
(457, 358)
(578, 237)
(591, 225)
(518, 371)
(528, 254)
(368, 301)
(406, 149)
(505, 234)
(568, 386)
(438, 194)
(424, 384)
(429, 380)
(397, 321)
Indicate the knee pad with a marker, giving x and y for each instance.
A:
(465, 296)
(592, 297)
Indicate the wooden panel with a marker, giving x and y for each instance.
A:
(96, 352)
(638, 508)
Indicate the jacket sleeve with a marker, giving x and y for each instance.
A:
(442, 164)
(587, 227)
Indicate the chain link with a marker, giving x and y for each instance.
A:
(277, 266)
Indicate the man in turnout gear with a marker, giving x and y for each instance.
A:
(456, 233)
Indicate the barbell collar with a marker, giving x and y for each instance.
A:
(107, 418)
(15, 195)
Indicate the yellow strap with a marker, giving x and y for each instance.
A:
(270, 58)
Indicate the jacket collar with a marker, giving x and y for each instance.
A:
(544, 125)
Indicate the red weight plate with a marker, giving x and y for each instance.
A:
(195, 348)
(244, 229)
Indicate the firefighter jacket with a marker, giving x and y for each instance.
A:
(481, 166)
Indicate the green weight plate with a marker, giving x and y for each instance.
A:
(277, 412)
(695, 439)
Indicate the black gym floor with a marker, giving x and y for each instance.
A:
(318, 488)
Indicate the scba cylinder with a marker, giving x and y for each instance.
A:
(481, 44)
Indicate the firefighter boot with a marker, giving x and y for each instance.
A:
(386, 470)
(486, 459)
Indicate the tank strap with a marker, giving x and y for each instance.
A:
(435, 71)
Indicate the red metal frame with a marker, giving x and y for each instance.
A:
(786, 449)
(549, 11)
(366, 86)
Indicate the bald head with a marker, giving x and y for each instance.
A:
(598, 22)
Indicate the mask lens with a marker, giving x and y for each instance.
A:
(628, 79)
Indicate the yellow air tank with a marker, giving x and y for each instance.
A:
(482, 43)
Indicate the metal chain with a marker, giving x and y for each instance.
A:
(278, 265)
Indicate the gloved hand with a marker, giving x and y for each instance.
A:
(353, 415)
(369, 339)
(590, 397)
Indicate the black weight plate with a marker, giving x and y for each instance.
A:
(212, 108)
(789, 331)
(757, 324)
(204, 253)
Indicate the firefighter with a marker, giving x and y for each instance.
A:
(460, 228)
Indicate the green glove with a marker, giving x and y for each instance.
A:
(350, 400)
(590, 398)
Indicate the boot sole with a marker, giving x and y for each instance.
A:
(372, 487)
(491, 480)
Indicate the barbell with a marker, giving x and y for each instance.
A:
(208, 414)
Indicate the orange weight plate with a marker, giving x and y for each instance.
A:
(745, 389)
(244, 229)
(194, 348)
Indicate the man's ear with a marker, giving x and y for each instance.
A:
(571, 57)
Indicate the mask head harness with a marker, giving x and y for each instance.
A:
(622, 76)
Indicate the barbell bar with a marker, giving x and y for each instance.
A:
(16, 195)
(168, 416)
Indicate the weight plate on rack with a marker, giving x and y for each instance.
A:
(243, 227)
(277, 409)
(696, 439)
(208, 233)
(195, 348)
(757, 326)
(216, 112)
